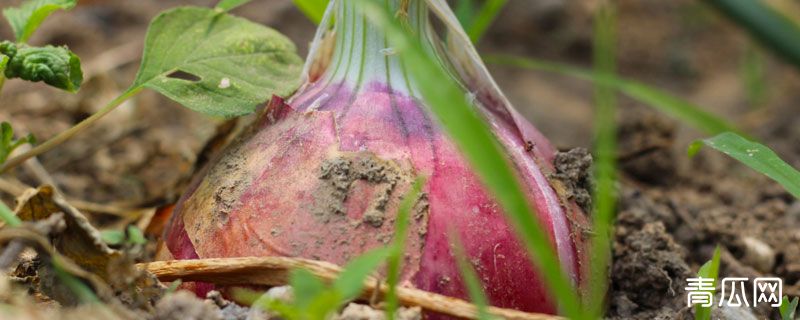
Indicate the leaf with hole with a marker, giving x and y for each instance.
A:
(215, 63)
(756, 156)
(25, 19)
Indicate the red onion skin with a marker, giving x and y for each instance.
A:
(273, 211)
(321, 177)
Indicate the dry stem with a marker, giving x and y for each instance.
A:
(274, 271)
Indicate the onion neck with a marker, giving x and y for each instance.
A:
(362, 53)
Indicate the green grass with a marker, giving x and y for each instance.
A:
(660, 100)
(709, 270)
(394, 262)
(605, 197)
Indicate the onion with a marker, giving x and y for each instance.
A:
(320, 175)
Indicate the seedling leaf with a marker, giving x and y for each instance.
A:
(306, 287)
(351, 280)
(788, 309)
(239, 64)
(7, 142)
(228, 5)
(56, 66)
(756, 156)
(709, 270)
(313, 9)
(25, 19)
(399, 245)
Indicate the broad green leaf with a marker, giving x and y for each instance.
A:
(350, 282)
(228, 5)
(474, 138)
(56, 66)
(25, 19)
(775, 30)
(306, 287)
(788, 309)
(656, 98)
(709, 270)
(313, 9)
(398, 246)
(215, 63)
(756, 156)
(605, 197)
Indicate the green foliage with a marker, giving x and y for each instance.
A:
(228, 5)
(56, 66)
(26, 19)
(215, 63)
(605, 197)
(484, 17)
(756, 156)
(709, 270)
(132, 235)
(313, 9)
(8, 216)
(313, 299)
(773, 29)
(656, 98)
(7, 142)
(753, 76)
(471, 281)
(788, 309)
(474, 138)
(398, 246)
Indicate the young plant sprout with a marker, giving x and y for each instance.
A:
(321, 174)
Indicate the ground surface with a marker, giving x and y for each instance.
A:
(674, 209)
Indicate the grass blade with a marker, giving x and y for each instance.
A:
(473, 137)
(470, 278)
(709, 270)
(788, 309)
(479, 23)
(8, 216)
(772, 28)
(351, 280)
(756, 156)
(313, 9)
(662, 101)
(605, 197)
(398, 247)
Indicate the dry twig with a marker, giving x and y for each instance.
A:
(274, 271)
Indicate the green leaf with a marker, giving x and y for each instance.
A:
(788, 309)
(470, 278)
(8, 216)
(112, 237)
(398, 246)
(775, 30)
(228, 5)
(313, 9)
(351, 280)
(26, 18)
(480, 23)
(756, 156)
(7, 142)
(709, 270)
(306, 287)
(215, 63)
(605, 197)
(662, 101)
(56, 66)
(135, 235)
(3, 62)
(476, 141)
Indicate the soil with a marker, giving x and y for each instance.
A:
(673, 210)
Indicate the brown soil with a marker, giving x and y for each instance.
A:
(673, 209)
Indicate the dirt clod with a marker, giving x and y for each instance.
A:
(573, 169)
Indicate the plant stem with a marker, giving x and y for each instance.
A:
(69, 133)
